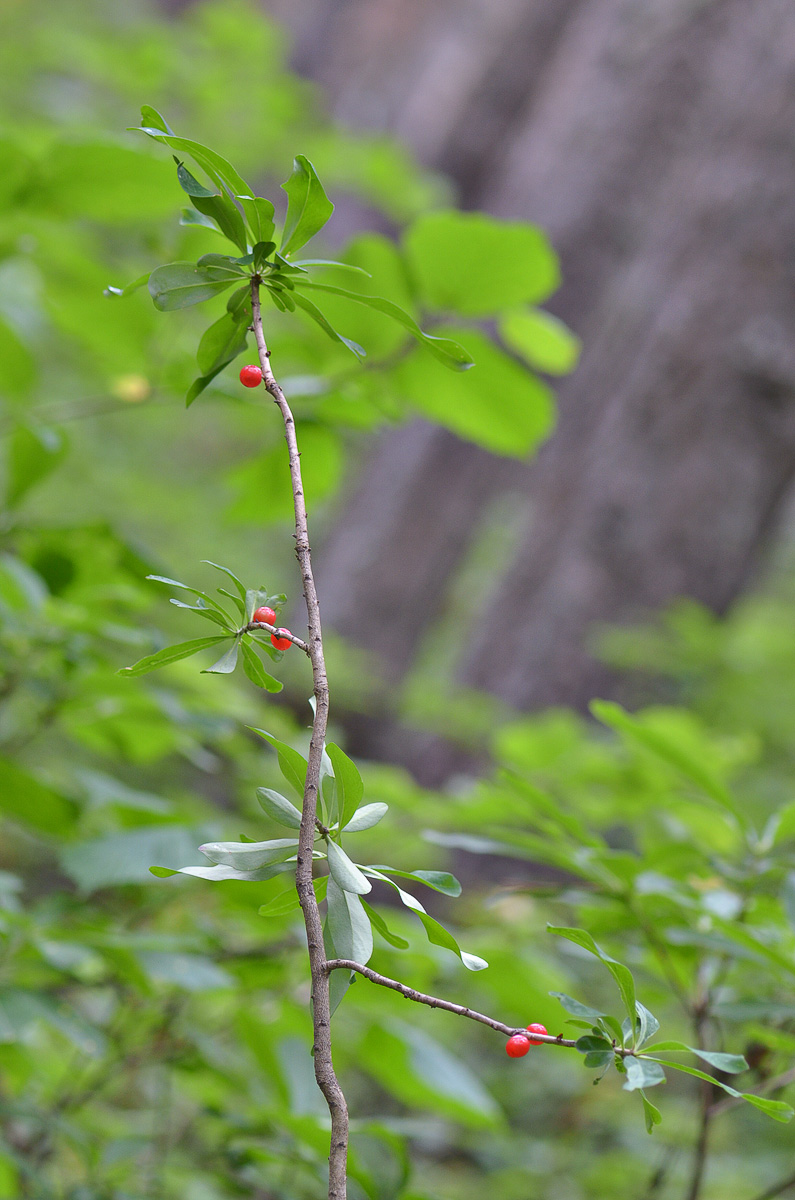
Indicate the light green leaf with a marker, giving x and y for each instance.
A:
(349, 924)
(541, 339)
(652, 1115)
(124, 857)
(440, 881)
(279, 808)
(226, 663)
(170, 654)
(380, 926)
(250, 856)
(366, 817)
(477, 265)
(314, 312)
(308, 206)
(641, 1073)
(32, 454)
(347, 875)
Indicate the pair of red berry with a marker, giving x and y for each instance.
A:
(518, 1045)
(267, 616)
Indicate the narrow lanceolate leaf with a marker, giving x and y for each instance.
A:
(219, 873)
(209, 614)
(226, 663)
(250, 856)
(181, 284)
(436, 933)
(621, 974)
(259, 215)
(777, 1109)
(446, 350)
(576, 1009)
(314, 312)
(380, 926)
(252, 665)
(170, 654)
(291, 764)
(350, 787)
(223, 212)
(366, 817)
(346, 874)
(186, 588)
(731, 1064)
(279, 808)
(440, 881)
(240, 588)
(308, 206)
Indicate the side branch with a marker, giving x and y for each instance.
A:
(284, 633)
(346, 964)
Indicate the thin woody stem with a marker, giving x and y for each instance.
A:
(321, 1009)
(347, 964)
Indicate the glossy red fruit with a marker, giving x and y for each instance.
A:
(266, 615)
(517, 1046)
(250, 376)
(281, 643)
(536, 1028)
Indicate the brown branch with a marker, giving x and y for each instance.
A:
(321, 1008)
(460, 1010)
(285, 633)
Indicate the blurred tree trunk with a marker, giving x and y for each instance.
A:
(653, 140)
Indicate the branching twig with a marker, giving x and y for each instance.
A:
(283, 633)
(321, 1009)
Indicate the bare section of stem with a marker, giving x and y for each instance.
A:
(321, 1009)
(297, 641)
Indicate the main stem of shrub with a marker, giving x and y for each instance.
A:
(321, 1009)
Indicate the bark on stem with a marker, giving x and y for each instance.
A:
(321, 1012)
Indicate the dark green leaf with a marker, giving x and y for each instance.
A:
(170, 654)
(189, 183)
(226, 215)
(575, 1008)
(314, 312)
(255, 671)
(32, 455)
(350, 788)
(380, 926)
(621, 974)
(181, 284)
(447, 351)
(308, 206)
(291, 764)
(223, 341)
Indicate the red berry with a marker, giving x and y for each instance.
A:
(250, 376)
(264, 615)
(281, 643)
(536, 1028)
(517, 1046)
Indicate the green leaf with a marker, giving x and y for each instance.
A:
(181, 284)
(170, 654)
(576, 1009)
(308, 206)
(641, 1073)
(777, 1109)
(350, 787)
(186, 588)
(287, 901)
(279, 808)
(440, 881)
(222, 342)
(314, 312)
(349, 924)
(379, 924)
(226, 216)
(189, 183)
(259, 214)
(250, 856)
(23, 798)
(120, 293)
(366, 817)
(621, 974)
(226, 663)
(651, 1114)
(291, 764)
(209, 614)
(477, 265)
(731, 1064)
(240, 588)
(597, 1060)
(221, 872)
(31, 456)
(347, 875)
(661, 745)
(252, 665)
(647, 1023)
(590, 1044)
(446, 350)
(124, 857)
(436, 933)
(541, 339)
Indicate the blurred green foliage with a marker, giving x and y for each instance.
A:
(154, 1034)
